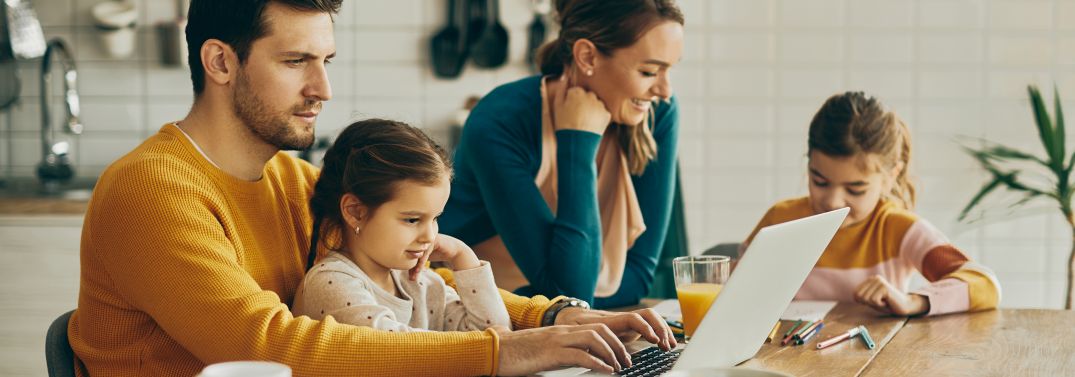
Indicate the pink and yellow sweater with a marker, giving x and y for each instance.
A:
(894, 243)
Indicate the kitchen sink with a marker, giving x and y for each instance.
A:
(75, 189)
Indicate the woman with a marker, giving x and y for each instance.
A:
(564, 180)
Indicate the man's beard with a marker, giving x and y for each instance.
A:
(274, 129)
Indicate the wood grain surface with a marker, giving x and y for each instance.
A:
(1005, 342)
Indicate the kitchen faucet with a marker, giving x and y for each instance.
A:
(55, 167)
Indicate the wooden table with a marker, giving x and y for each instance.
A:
(847, 358)
(1005, 342)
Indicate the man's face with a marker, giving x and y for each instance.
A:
(280, 87)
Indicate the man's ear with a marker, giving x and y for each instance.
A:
(354, 213)
(219, 62)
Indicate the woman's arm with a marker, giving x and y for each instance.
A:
(655, 190)
(559, 254)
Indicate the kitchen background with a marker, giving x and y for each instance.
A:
(753, 73)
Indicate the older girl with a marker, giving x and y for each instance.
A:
(859, 154)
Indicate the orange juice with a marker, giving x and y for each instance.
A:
(694, 301)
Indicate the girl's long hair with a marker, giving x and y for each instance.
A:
(369, 159)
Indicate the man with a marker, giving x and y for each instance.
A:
(195, 242)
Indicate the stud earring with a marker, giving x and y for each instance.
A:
(357, 229)
(589, 72)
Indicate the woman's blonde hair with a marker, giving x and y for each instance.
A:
(610, 25)
(852, 124)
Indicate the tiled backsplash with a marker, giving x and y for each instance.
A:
(753, 73)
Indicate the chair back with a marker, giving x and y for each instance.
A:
(58, 354)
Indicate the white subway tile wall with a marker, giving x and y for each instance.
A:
(754, 73)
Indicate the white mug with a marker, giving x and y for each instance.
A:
(115, 21)
(246, 369)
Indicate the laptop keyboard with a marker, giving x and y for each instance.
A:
(650, 362)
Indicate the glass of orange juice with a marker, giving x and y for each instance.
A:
(699, 280)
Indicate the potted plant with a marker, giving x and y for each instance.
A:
(998, 160)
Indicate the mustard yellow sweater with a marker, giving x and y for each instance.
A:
(183, 265)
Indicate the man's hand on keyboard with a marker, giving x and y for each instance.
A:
(592, 346)
(628, 326)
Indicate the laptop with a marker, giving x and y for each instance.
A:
(771, 271)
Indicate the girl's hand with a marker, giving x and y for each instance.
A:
(447, 249)
(879, 294)
(578, 109)
(452, 250)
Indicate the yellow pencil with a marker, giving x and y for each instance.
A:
(772, 334)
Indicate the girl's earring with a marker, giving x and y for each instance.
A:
(357, 229)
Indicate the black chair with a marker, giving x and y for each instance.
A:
(728, 249)
(58, 354)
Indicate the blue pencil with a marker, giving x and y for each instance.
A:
(811, 334)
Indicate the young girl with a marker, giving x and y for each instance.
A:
(375, 209)
(859, 153)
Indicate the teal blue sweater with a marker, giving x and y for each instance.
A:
(494, 193)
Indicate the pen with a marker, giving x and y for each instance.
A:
(839, 338)
(810, 334)
(772, 334)
(866, 337)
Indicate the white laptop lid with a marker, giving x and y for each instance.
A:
(771, 271)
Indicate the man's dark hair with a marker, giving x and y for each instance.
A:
(237, 23)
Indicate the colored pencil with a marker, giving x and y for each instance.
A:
(810, 334)
(772, 334)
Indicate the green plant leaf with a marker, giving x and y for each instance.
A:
(1000, 153)
(992, 156)
(1011, 180)
(1061, 148)
(1071, 164)
(985, 190)
(1045, 127)
(1026, 198)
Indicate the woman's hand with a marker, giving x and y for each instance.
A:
(449, 249)
(578, 109)
(628, 326)
(879, 294)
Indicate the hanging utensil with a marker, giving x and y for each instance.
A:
(9, 79)
(448, 47)
(537, 33)
(26, 38)
(474, 22)
(491, 49)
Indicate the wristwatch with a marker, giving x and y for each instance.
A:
(550, 314)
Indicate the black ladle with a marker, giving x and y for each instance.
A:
(536, 39)
(491, 49)
(447, 48)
